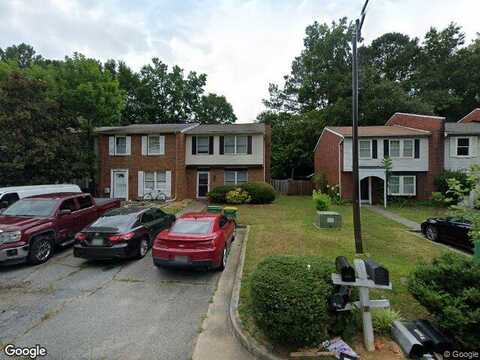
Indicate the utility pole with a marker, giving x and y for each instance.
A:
(357, 228)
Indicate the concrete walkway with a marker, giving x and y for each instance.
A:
(412, 225)
(216, 340)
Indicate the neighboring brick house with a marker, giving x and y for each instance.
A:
(474, 116)
(413, 142)
(181, 160)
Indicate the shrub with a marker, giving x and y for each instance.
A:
(237, 196)
(290, 298)
(320, 181)
(383, 319)
(260, 192)
(218, 194)
(441, 182)
(449, 288)
(322, 201)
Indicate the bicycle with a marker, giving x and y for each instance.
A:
(155, 195)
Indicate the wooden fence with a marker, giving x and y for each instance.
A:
(293, 187)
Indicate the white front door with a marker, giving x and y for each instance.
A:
(203, 183)
(120, 184)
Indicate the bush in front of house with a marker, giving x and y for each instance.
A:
(289, 297)
(237, 196)
(449, 288)
(442, 186)
(322, 200)
(259, 192)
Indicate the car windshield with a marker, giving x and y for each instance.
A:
(191, 226)
(115, 221)
(31, 207)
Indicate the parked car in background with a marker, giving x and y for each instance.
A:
(32, 227)
(196, 240)
(453, 231)
(122, 233)
(11, 194)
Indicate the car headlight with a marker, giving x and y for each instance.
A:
(10, 236)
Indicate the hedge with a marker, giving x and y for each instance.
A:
(449, 288)
(289, 296)
(260, 192)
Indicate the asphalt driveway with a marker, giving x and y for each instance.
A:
(103, 310)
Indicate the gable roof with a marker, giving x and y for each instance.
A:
(469, 128)
(143, 129)
(378, 131)
(250, 128)
(473, 116)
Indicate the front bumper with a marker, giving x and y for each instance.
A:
(118, 251)
(14, 254)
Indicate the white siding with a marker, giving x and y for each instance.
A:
(453, 162)
(255, 158)
(399, 164)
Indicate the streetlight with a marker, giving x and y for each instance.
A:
(357, 229)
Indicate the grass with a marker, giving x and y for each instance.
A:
(285, 228)
(418, 213)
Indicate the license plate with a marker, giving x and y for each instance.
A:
(181, 259)
(97, 242)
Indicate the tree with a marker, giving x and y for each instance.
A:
(23, 55)
(215, 109)
(39, 144)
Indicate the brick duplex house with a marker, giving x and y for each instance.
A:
(181, 160)
(413, 142)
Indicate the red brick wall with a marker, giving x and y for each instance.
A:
(425, 182)
(134, 163)
(474, 116)
(327, 157)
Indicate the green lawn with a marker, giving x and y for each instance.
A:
(285, 227)
(417, 213)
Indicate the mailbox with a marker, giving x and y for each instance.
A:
(346, 271)
(377, 273)
(438, 343)
(407, 341)
(339, 300)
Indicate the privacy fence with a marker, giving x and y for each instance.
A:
(293, 187)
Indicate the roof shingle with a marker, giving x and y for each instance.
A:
(379, 131)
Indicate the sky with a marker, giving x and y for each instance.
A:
(242, 45)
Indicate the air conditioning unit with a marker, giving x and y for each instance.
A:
(328, 219)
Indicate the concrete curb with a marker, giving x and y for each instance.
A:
(249, 343)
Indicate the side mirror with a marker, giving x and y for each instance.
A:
(65, 212)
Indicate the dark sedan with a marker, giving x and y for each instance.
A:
(122, 233)
(453, 231)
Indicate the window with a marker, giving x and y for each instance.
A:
(234, 177)
(394, 148)
(408, 148)
(154, 180)
(9, 199)
(85, 202)
(148, 217)
(155, 145)
(187, 226)
(120, 145)
(463, 146)
(402, 185)
(69, 204)
(365, 147)
(31, 207)
(203, 144)
(229, 145)
(235, 144)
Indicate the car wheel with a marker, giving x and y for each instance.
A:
(431, 233)
(143, 247)
(223, 260)
(41, 249)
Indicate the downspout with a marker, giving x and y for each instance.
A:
(340, 156)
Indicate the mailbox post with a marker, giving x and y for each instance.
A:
(364, 285)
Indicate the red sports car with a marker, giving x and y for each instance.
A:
(196, 240)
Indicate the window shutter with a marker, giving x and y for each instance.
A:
(129, 144)
(210, 145)
(162, 145)
(386, 150)
(111, 145)
(194, 145)
(473, 146)
(140, 184)
(222, 150)
(168, 180)
(374, 149)
(417, 148)
(144, 145)
(453, 146)
(249, 144)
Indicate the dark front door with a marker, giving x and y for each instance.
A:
(365, 190)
